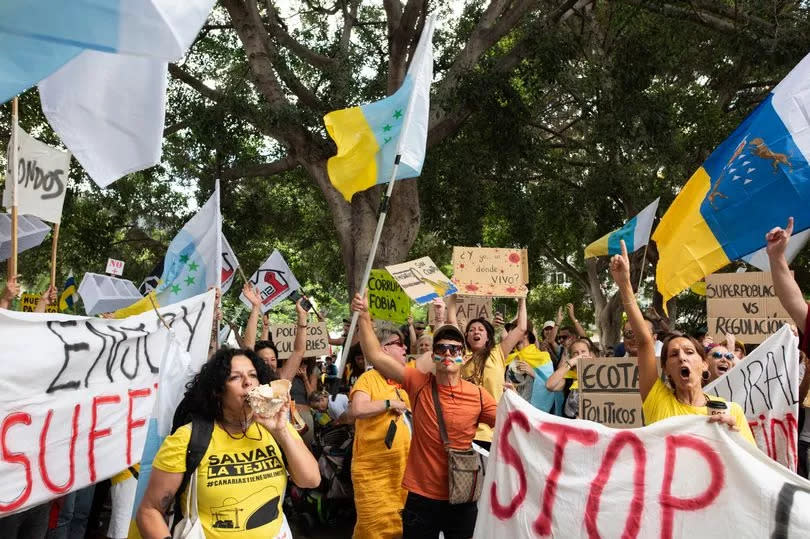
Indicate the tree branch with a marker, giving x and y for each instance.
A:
(278, 31)
(260, 170)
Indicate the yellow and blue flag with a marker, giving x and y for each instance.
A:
(68, 297)
(753, 181)
(635, 233)
(370, 137)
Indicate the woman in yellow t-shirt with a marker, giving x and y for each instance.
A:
(242, 476)
(486, 365)
(380, 450)
(683, 361)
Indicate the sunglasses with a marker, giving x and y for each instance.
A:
(628, 334)
(727, 355)
(395, 343)
(452, 348)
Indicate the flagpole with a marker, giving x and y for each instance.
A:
(219, 259)
(370, 262)
(643, 265)
(12, 262)
(54, 243)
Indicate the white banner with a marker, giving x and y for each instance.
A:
(274, 280)
(76, 394)
(681, 477)
(766, 385)
(41, 173)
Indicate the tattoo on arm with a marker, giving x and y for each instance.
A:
(166, 502)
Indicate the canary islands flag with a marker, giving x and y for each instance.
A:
(68, 296)
(370, 137)
(753, 181)
(635, 233)
(193, 261)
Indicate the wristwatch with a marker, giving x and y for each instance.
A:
(387, 404)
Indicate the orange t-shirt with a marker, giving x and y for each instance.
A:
(463, 407)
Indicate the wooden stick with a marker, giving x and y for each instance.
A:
(12, 262)
(54, 243)
(643, 264)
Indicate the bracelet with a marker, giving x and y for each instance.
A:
(302, 326)
(387, 404)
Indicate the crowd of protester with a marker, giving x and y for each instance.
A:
(411, 411)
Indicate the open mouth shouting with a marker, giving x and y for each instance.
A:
(723, 367)
(685, 372)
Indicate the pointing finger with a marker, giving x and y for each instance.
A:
(624, 250)
(789, 227)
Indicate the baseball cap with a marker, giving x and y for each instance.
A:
(548, 324)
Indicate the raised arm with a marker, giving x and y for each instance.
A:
(439, 312)
(784, 285)
(517, 333)
(12, 291)
(577, 326)
(48, 298)
(552, 338)
(253, 320)
(372, 350)
(290, 367)
(265, 327)
(239, 340)
(647, 370)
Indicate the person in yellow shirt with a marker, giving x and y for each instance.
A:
(683, 361)
(486, 365)
(242, 477)
(382, 440)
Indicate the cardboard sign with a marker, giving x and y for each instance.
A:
(283, 336)
(422, 280)
(681, 477)
(114, 267)
(386, 299)
(766, 385)
(78, 391)
(745, 305)
(41, 173)
(608, 391)
(483, 271)
(28, 302)
(468, 308)
(274, 280)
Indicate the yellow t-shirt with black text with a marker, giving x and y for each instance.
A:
(492, 381)
(240, 482)
(661, 403)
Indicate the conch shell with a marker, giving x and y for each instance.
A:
(268, 399)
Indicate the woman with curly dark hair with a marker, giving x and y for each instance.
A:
(242, 477)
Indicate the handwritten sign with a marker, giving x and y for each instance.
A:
(468, 308)
(275, 281)
(554, 477)
(74, 411)
(41, 173)
(608, 391)
(483, 271)
(766, 385)
(317, 339)
(114, 267)
(28, 303)
(386, 299)
(743, 304)
(421, 280)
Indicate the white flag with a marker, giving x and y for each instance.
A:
(41, 173)
(274, 280)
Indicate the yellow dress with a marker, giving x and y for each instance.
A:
(376, 470)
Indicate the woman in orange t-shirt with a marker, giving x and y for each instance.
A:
(427, 509)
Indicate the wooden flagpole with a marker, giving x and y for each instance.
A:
(12, 262)
(54, 243)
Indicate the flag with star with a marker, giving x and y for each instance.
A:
(370, 137)
(192, 261)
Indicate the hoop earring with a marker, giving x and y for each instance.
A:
(705, 376)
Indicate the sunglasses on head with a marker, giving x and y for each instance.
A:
(452, 348)
(727, 355)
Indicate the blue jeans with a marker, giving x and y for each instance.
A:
(72, 521)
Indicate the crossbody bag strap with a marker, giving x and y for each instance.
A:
(439, 418)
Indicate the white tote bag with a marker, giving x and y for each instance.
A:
(190, 527)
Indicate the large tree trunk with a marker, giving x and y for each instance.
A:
(356, 224)
(607, 311)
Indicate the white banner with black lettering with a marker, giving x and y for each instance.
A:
(274, 280)
(41, 173)
(766, 384)
(681, 477)
(76, 392)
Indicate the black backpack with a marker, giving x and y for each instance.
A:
(201, 431)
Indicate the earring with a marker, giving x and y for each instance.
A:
(705, 376)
